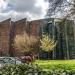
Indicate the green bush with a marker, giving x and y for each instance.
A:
(22, 69)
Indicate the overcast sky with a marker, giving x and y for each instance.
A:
(18, 9)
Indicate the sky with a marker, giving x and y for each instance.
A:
(19, 9)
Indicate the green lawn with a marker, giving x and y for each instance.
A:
(49, 64)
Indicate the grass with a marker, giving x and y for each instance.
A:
(48, 64)
(44, 62)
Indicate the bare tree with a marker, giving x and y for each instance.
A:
(65, 7)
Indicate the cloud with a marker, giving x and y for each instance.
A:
(18, 9)
(25, 5)
(3, 5)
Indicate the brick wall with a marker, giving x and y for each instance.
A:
(19, 28)
(4, 36)
(8, 31)
(35, 27)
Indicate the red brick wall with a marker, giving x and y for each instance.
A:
(8, 31)
(35, 27)
(30, 27)
(20, 28)
(4, 36)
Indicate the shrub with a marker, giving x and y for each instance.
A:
(22, 69)
(26, 44)
(47, 43)
(30, 69)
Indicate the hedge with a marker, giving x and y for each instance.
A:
(22, 69)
